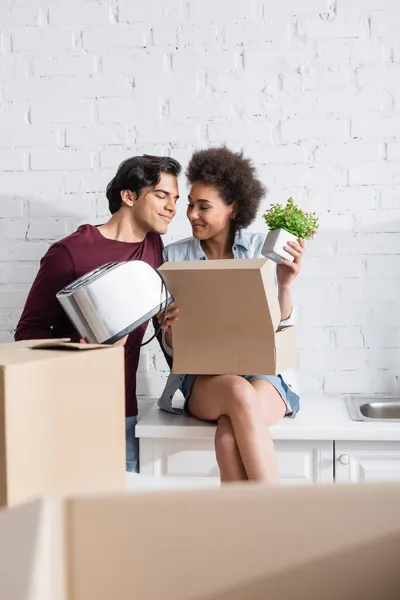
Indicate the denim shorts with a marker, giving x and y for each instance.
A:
(290, 398)
(132, 445)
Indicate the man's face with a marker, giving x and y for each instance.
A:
(156, 206)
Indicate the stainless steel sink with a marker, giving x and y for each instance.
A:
(374, 409)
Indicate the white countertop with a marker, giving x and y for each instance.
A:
(144, 483)
(318, 419)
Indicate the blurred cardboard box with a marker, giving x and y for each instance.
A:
(247, 542)
(229, 318)
(62, 419)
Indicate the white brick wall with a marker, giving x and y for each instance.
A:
(309, 88)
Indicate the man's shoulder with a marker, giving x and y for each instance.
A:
(180, 250)
(85, 235)
(73, 245)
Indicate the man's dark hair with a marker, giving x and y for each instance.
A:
(233, 176)
(138, 172)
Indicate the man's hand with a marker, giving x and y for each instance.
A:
(286, 270)
(120, 342)
(171, 316)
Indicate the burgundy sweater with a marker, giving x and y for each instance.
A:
(86, 249)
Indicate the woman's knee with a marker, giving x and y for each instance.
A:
(228, 395)
(242, 397)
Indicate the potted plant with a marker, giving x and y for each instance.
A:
(287, 224)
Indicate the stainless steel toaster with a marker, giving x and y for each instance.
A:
(110, 302)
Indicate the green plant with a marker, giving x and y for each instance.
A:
(292, 219)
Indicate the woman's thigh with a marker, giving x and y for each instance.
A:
(213, 396)
(210, 395)
(271, 403)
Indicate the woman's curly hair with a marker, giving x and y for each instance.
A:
(233, 176)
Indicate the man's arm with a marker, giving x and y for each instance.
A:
(42, 307)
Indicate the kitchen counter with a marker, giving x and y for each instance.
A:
(144, 483)
(318, 419)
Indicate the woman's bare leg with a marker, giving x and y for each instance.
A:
(236, 398)
(227, 452)
(273, 411)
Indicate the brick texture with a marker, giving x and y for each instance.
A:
(310, 89)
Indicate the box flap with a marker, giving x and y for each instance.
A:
(215, 265)
(24, 344)
(199, 272)
(229, 313)
(26, 351)
(64, 345)
(49, 344)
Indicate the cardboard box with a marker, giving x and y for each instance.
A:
(238, 543)
(62, 419)
(229, 318)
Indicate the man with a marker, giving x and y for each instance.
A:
(142, 201)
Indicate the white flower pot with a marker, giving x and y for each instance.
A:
(274, 245)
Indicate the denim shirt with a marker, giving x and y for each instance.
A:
(246, 245)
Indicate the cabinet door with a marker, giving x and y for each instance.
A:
(300, 462)
(305, 462)
(367, 461)
(177, 459)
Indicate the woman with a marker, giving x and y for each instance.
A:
(224, 199)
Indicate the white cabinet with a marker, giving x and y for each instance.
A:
(304, 461)
(182, 447)
(194, 459)
(367, 461)
(300, 462)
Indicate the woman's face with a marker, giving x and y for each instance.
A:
(207, 212)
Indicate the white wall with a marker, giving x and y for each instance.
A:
(309, 88)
